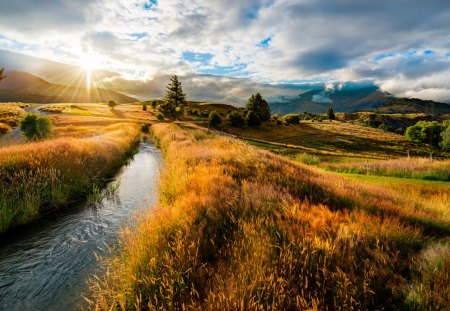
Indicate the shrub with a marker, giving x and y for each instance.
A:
(426, 132)
(112, 104)
(144, 106)
(251, 119)
(35, 127)
(160, 116)
(445, 135)
(154, 103)
(235, 119)
(196, 112)
(214, 119)
(291, 119)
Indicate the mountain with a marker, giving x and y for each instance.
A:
(53, 72)
(353, 98)
(25, 87)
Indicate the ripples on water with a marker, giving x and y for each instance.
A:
(45, 267)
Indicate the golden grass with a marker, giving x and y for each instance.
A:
(240, 228)
(420, 168)
(38, 177)
(4, 128)
(11, 113)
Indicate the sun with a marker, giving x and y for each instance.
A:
(89, 63)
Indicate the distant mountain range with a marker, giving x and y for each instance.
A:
(355, 98)
(25, 87)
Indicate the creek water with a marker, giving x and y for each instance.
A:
(46, 266)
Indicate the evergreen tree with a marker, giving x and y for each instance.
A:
(174, 98)
(252, 119)
(330, 114)
(259, 106)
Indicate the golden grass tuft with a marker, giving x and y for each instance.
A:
(240, 228)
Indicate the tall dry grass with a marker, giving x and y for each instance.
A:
(240, 228)
(419, 168)
(41, 176)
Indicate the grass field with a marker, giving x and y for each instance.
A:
(242, 228)
(89, 143)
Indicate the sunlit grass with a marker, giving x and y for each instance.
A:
(38, 177)
(241, 228)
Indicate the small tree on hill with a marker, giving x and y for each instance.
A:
(214, 119)
(112, 104)
(252, 119)
(330, 114)
(144, 106)
(174, 98)
(259, 106)
(35, 127)
(154, 103)
(445, 143)
(235, 119)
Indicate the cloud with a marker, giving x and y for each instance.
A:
(265, 41)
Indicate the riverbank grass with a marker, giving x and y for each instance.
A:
(38, 177)
(241, 228)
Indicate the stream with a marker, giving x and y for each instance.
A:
(45, 266)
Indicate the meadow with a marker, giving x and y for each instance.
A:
(238, 227)
(84, 151)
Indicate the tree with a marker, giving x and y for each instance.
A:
(174, 98)
(35, 127)
(154, 103)
(426, 132)
(259, 106)
(252, 119)
(235, 119)
(330, 114)
(214, 119)
(144, 106)
(291, 119)
(112, 104)
(160, 116)
(445, 135)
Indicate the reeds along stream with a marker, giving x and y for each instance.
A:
(46, 266)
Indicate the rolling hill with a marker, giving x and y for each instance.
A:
(25, 87)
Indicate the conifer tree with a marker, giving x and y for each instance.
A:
(259, 106)
(174, 98)
(330, 114)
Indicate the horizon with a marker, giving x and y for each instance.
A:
(278, 46)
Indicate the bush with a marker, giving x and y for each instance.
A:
(235, 119)
(196, 112)
(291, 119)
(154, 103)
(160, 116)
(214, 119)
(445, 135)
(426, 132)
(35, 127)
(144, 106)
(112, 104)
(251, 119)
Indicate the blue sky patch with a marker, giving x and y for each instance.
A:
(265, 43)
(192, 57)
(150, 4)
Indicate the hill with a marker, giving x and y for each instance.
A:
(25, 87)
(353, 99)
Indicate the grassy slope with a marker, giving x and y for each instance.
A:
(241, 228)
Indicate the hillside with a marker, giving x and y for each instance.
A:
(353, 99)
(25, 87)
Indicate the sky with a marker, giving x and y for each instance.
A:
(228, 48)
